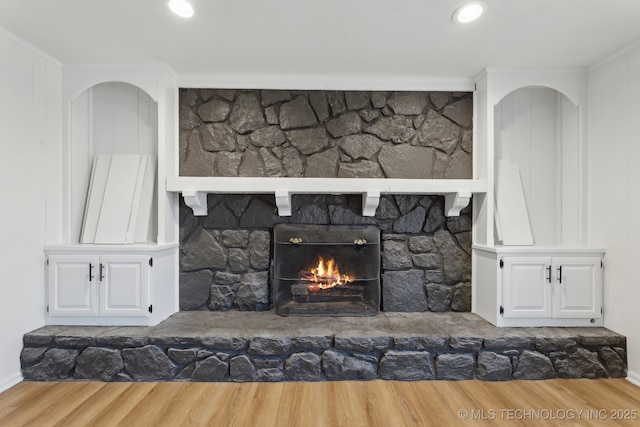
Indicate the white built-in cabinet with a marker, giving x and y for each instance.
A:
(129, 277)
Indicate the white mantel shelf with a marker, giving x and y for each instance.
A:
(194, 190)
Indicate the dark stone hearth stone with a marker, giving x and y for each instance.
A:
(72, 340)
(361, 169)
(613, 362)
(270, 375)
(407, 366)
(226, 278)
(31, 355)
(273, 165)
(259, 214)
(395, 256)
(406, 161)
(292, 162)
(408, 103)
(464, 240)
(435, 218)
(302, 367)
(582, 363)
(509, 342)
(241, 369)
(269, 346)
(222, 297)
(369, 115)
(189, 119)
(343, 215)
(356, 100)
(225, 343)
(269, 97)
(194, 289)
(336, 102)
(421, 244)
(253, 292)
(378, 99)
(428, 261)
(398, 129)
(459, 166)
(98, 364)
(211, 369)
(547, 345)
(267, 137)
(235, 238)
(361, 344)
(465, 343)
(214, 111)
(228, 94)
(309, 141)
(603, 340)
(220, 217)
(533, 366)
(323, 164)
(456, 263)
(420, 343)
(183, 356)
(457, 224)
(493, 366)
(251, 165)
(438, 297)
(439, 132)
(220, 355)
(407, 202)
(239, 260)
(411, 222)
(439, 99)
(312, 342)
(124, 336)
(227, 164)
(310, 214)
(346, 124)
(394, 237)
(403, 291)
(297, 114)
(217, 137)
(237, 203)
(203, 250)
(433, 276)
(320, 105)
(338, 366)
(387, 209)
(461, 297)
(460, 112)
(259, 249)
(147, 363)
(186, 373)
(455, 366)
(267, 363)
(246, 114)
(56, 364)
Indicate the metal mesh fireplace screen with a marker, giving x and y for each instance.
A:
(331, 270)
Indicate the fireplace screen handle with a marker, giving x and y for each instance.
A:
(295, 240)
(359, 242)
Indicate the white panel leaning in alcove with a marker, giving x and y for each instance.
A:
(512, 217)
(120, 199)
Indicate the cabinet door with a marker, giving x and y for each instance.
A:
(578, 287)
(124, 285)
(526, 290)
(73, 285)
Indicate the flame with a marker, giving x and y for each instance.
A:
(325, 275)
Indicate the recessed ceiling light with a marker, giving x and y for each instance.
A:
(181, 8)
(469, 12)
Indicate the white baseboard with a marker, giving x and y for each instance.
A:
(7, 383)
(633, 377)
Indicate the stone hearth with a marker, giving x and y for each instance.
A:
(251, 346)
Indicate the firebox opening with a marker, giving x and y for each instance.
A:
(326, 270)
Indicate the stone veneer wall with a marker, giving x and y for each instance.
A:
(325, 133)
(225, 256)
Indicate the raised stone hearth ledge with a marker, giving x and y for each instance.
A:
(194, 190)
(250, 346)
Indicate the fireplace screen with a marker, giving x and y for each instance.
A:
(331, 270)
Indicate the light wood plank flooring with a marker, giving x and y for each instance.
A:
(347, 403)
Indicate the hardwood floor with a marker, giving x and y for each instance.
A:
(348, 403)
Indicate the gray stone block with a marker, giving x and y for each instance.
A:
(269, 136)
(260, 249)
(421, 244)
(308, 141)
(268, 346)
(236, 343)
(194, 289)
(461, 112)
(147, 363)
(302, 367)
(395, 256)
(239, 261)
(509, 342)
(312, 342)
(259, 214)
(438, 297)
(465, 343)
(548, 344)
(439, 132)
(222, 297)
(98, 364)
(361, 146)
(408, 103)
(253, 292)
(411, 222)
(406, 161)
(397, 129)
(407, 366)
(320, 105)
(361, 344)
(183, 356)
(215, 137)
(456, 263)
(493, 366)
(203, 250)
(211, 369)
(56, 364)
(323, 164)
(420, 343)
(613, 362)
(297, 114)
(403, 291)
(582, 363)
(270, 97)
(213, 111)
(429, 261)
(235, 238)
(246, 114)
(339, 366)
(241, 369)
(31, 355)
(461, 297)
(347, 124)
(533, 366)
(455, 366)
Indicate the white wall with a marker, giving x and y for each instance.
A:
(614, 191)
(30, 121)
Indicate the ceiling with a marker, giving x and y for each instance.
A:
(328, 37)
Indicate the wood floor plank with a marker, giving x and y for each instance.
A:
(323, 404)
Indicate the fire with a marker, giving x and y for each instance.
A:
(325, 275)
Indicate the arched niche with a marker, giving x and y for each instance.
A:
(111, 117)
(537, 132)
